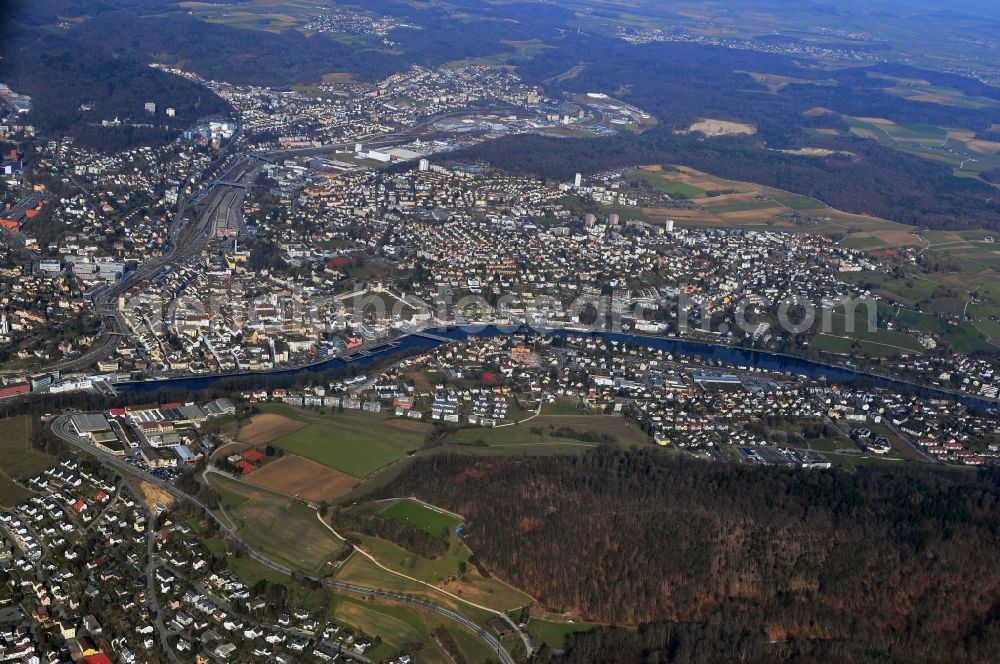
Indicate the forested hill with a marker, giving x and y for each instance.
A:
(877, 181)
(803, 106)
(75, 85)
(68, 54)
(898, 565)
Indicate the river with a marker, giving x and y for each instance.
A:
(728, 355)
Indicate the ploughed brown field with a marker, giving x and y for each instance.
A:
(264, 428)
(296, 476)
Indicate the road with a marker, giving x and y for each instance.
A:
(151, 595)
(61, 427)
(468, 623)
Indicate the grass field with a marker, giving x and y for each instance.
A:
(859, 460)
(451, 571)
(562, 406)
(363, 572)
(400, 626)
(287, 531)
(661, 181)
(874, 342)
(884, 344)
(935, 302)
(863, 242)
(419, 515)
(900, 448)
(907, 291)
(356, 453)
(800, 202)
(553, 634)
(446, 573)
(218, 423)
(828, 444)
(352, 442)
(520, 438)
(17, 459)
(397, 625)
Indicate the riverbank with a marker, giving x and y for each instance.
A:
(729, 355)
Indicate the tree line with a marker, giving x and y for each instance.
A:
(402, 534)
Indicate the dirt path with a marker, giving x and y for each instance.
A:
(503, 616)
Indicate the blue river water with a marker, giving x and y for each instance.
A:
(728, 355)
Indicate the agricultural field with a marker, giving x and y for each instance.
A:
(973, 254)
(351, 442)
(955, 146)
(735, 204)
(863, 242)
(398, 626)
(293, 475)
(266, 427)
(17, 459)
(356, 455)
(536, 436)
(658, 181)
(910, 307)
(958, 302)
(265, 15)
(287, 531)
(920, 90)
(776, 83)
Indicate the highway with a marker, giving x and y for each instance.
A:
(62, 428)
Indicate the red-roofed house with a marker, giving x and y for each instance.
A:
(99, 658)
(253, 456)
(79, 506)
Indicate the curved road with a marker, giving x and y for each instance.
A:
(62, 428)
